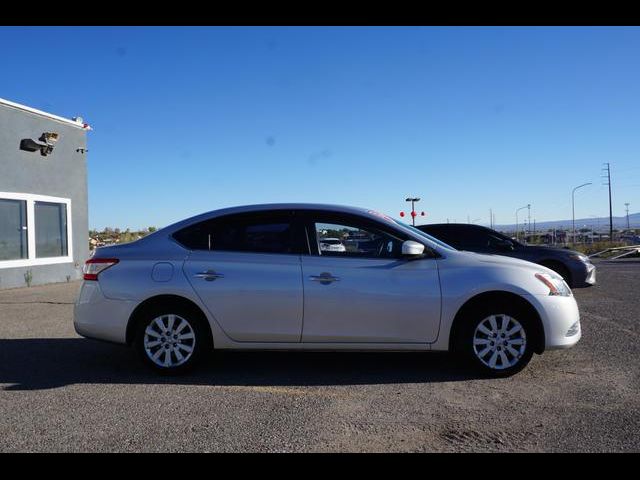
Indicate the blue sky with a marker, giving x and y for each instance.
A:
(188, 120)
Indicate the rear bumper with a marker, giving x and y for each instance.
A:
(97, 317)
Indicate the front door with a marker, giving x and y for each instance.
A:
(362, 290)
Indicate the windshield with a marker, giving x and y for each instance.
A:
(425, 235)
(501, 236)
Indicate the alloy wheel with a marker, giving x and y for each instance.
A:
(169, 341)
(499, 341)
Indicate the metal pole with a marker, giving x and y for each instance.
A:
(573, 210)
(610, 210)
(517, 230)
(413, 210)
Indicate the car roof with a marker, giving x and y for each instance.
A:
(278, 206)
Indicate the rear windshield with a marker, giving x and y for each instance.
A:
(426, 235)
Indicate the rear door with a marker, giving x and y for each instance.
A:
(246, 270)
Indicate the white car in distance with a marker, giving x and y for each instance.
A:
(332, 245)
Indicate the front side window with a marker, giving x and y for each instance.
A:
(351, 240)
(13, 229)
(51, 229)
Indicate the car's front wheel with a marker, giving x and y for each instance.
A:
(171, 340)
(498, 342)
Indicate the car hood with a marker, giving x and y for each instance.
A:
(554, 251)
(502, 261)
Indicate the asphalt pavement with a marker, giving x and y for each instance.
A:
(60, 392)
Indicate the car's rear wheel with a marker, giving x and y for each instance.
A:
(171, 340)
(497, 341)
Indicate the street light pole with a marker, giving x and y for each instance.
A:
(413, 210)
(521, 208)
(573, 210)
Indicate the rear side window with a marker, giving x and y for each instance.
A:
(447, 235)
(243, 233)
(461, 236)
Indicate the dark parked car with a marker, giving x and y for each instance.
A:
(575, 268)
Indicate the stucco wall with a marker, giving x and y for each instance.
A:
(63, 173)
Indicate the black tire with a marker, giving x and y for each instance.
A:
(470, 354)
(561, 270)
(200, 344)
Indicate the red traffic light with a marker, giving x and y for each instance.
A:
(402, 214)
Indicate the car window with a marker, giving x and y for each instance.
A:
(447, 235)
(462, 237)
(430, 236)
(473, 238)
(351, 240)
(495, 241)
(241, 233)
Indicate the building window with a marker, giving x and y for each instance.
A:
(13, 229)
(51, 229)
(34, 230)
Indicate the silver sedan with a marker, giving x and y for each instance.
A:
(256, 277)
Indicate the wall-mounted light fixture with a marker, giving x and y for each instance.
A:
(45, 144)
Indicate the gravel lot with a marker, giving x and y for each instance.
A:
(59, 392)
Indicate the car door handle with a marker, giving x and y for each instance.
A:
(209, 275)
(324, 278)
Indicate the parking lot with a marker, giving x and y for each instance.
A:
(59, 392)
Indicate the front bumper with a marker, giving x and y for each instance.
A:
(95, 316)
(583, 274)
(591, 274)
(561, 320)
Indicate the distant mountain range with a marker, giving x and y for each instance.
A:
(598, 224)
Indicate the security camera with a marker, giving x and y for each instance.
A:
(45, 145)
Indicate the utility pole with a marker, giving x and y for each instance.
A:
(627, 205)
(528, 219)
(490, 219)
(608, 176)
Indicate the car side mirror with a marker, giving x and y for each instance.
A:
(412, 249)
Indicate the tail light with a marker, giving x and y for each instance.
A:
(94, 266)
